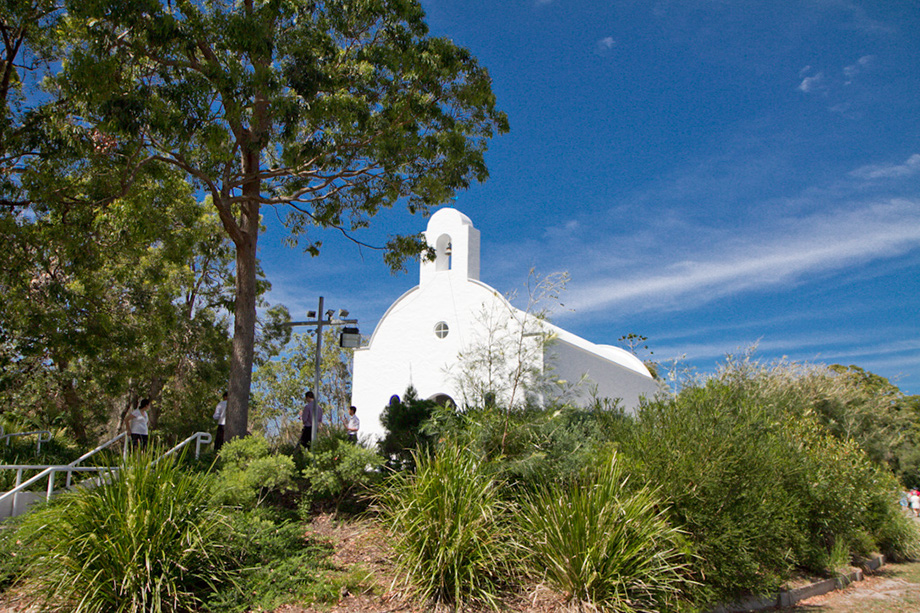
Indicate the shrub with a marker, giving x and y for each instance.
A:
(404, 435)
(449, 528)
(604, 545)
(341, 472)
(759, 485)
(249, 472)
(278, 564)
(146, 542)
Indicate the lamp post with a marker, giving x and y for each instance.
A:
(349, 338)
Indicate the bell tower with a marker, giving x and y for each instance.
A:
(456, 243)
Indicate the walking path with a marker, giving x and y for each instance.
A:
(894, 588)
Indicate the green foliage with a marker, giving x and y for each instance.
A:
(279, 386)
(13, 559)
(450, 528)
(532, 445)
(859, 405)
(741, 456)
(338, 109)
(146, 542)
(278, 564)
(405, 436)
(340, 472)
(111, 302)
(249, 472)
(604, 543)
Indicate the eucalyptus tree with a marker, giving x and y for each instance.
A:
(328, 109)
(110, 302)
(26, 35)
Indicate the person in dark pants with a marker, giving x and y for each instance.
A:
(136, 424)
(310, 410)
(220, 416)
(352, 425)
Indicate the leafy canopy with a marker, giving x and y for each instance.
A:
(349, 105)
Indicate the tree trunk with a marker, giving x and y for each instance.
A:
(70, 398)
(244, 325)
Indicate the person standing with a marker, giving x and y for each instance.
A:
(220, 416)
(136, 424)
(352, 425)
(310, 412)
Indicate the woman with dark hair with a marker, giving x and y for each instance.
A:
(136, 424)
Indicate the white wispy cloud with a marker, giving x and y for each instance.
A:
(606, 43)
(910, 167)
(563, 231)
(853, 70)
(811, 84)
(785, 253)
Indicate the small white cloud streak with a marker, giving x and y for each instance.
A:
(606, 43)
(810, 84)
(816, 245)
(851, 71)
(910, 167)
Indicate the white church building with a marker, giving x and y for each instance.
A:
(443, 332)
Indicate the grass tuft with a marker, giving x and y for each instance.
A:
(609, 548)
(450, 529)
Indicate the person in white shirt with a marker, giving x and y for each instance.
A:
(136, 424)
(220, 416)
(352, 425)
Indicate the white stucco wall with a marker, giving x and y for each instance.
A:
(404, 349)
(606, 371)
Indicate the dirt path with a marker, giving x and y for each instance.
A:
(895, 588)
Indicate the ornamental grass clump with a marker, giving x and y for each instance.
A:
(606, 546)
(450, 529)
(148, 541)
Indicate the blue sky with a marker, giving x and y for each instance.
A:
(712, 174)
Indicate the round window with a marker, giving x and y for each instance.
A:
(441, 329)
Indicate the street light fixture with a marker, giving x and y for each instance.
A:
(349, 338)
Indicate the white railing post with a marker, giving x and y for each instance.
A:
(50, 485)
(40, 441)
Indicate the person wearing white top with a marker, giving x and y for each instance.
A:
(136, 424)
(220, 416)
(352, 425)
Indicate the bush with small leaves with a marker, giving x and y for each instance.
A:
(249, 472)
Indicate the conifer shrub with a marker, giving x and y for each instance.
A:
(403, 420)
(605, 544)
(450, 529)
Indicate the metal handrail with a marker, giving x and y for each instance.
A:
(200, 438)
(51, 470)
(40, 434)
